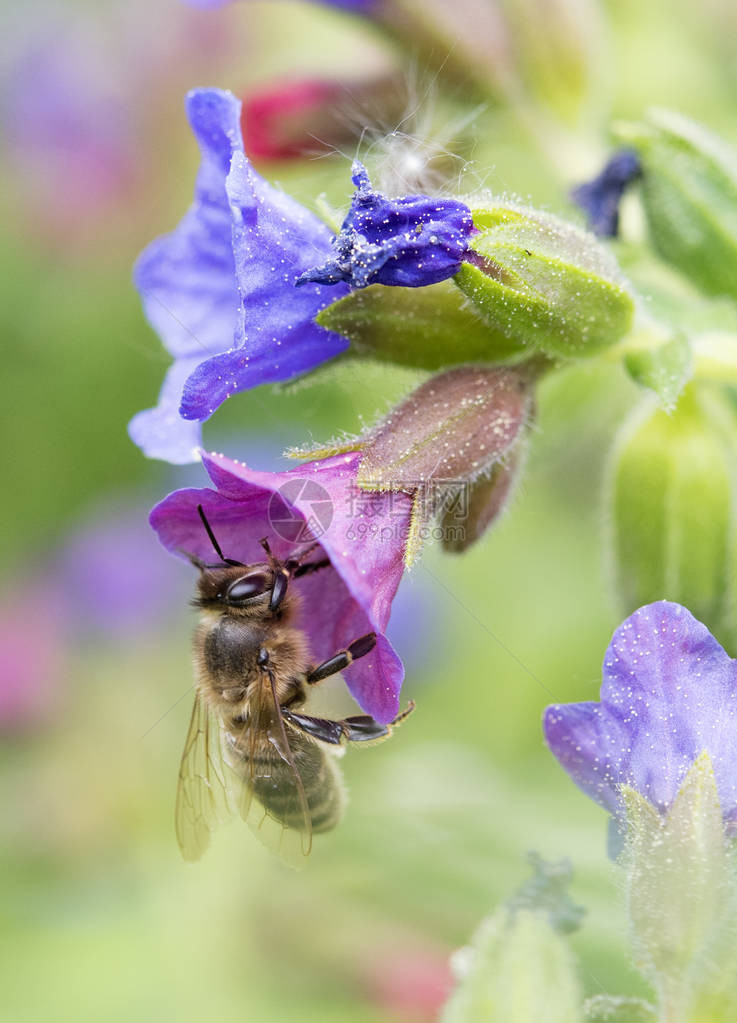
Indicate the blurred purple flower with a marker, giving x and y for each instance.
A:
(600, 198)
(669, 693)
(115, 579)
(220, 289)
(66, 128)
(363, 536)
(409, 242)
(32, 652)
(82, 119)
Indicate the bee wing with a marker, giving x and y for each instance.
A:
(272, 765)
(204, 781)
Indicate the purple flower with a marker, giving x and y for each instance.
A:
(64, 124)
(669, 693)
(363, 536)
(599, 199)
(410, 242)
(220, 289)
(114, 576)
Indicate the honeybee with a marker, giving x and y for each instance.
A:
(249, 749)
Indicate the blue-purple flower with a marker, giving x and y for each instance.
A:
(220, 289)
(669, 693)
(117, 585)
(600, 198)
(410, 242)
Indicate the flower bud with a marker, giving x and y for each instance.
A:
(453, 444)
(518, 969)
(488, 496)
(455, 426)
(600, 198)
(672, 495)
(294, 117)
(689, 189)
(544, 284)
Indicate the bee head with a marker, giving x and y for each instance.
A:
(235, 585)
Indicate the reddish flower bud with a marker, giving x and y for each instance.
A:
(455, 445)
(487, 498)
(293, 117)
(455, 426)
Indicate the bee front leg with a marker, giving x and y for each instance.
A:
(358, 648)
(285, 571)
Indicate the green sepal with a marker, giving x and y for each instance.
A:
(689, 190)
(681, 887)
(676, 868)
(426, 328)
(544, 284)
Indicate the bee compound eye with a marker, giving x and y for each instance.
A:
(245, 587)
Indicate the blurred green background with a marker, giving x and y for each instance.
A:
(100, 918)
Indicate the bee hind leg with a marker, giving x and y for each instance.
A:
(363, 728)
(359, 728)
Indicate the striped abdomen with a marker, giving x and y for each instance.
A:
(274, 784)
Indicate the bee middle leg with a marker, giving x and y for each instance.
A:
(358, 648)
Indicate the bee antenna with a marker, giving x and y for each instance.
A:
(213, 541)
